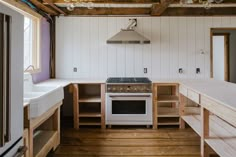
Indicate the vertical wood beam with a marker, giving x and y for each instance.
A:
(182, 105)
(154, 106)
(76, 105)
(103, 125)
(205, 131)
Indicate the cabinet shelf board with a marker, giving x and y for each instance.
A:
(168, 112)
(89, 121)
(92, 99)
(167, 98)
(43, 141)
(168, 121)
(90, 114)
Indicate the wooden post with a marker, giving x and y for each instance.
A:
(205, 131)
(103, 125)
(182, 105)
(154, 106)
(76, 105)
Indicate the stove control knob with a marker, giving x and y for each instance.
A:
(135, 89)
(121, 89)
(113, 88)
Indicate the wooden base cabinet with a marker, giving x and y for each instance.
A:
(165, 104)
(89, 105)
(42, 134)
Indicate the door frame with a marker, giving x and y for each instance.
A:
(226, 51)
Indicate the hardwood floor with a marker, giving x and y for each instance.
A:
(128, 143)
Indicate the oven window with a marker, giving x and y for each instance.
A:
(128, 107)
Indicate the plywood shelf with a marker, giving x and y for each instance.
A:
(89, 121)
(193, 122)
(90, 99)
(88, 114)
(43, 141)
(168, 121)
(222, 135)
(168, 112)
(167, 98)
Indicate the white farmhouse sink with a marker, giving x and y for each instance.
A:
(40, 98)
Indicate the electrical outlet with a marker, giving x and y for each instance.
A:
(74, 69)
(145, 70)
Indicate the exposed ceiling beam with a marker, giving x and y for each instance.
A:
(200, 12)
(112, 1)
(20, 7)
(108, 11)
(158, 9)
(49, 2)
(43, 7)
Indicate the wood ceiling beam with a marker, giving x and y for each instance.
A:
(229, 11)
(112, 1)
(158, 9)
(108, 11)
(49, 2)
(43, 7)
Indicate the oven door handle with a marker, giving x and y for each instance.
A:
(140, 96)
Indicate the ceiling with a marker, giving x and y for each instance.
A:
(137, 7)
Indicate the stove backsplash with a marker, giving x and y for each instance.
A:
(176, 42)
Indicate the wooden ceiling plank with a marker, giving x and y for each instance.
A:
(113, 1)
(158, 9)
(200, 12)
(108, 11)
(49, 2)
(21, 7)
(43, 7)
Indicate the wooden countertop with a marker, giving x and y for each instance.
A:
(220, 91)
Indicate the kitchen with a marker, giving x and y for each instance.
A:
(108, 79)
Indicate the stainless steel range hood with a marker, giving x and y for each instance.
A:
(128, 36)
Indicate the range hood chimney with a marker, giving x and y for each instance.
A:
(128, 36)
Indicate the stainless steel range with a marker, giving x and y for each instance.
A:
(128, 101)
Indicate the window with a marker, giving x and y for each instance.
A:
(31, 44)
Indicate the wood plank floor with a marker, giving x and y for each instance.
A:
(128, 143)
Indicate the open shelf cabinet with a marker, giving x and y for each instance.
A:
(165, 104)
(89, 105)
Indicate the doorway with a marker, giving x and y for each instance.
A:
(220, 56)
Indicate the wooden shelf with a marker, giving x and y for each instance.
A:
(168, 121)
(89, 121)
(168, 112)
(92, 99)
(193, 122)
(192, 110)
(222, 135)
(43, 142)
(89, 114)
(167, 98)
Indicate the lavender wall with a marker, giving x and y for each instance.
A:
(45, 53)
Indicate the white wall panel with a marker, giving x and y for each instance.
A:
(200, 46)
(183, 55)
(175, 43)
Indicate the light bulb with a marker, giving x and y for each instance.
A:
(70, 7)
(90, 5)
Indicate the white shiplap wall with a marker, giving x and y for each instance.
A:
(175, 43)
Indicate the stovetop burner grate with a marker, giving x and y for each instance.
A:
(128, 80)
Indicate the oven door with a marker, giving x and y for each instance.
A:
(129, 108)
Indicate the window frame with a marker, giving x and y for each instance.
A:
(36, 53)
(26, 11)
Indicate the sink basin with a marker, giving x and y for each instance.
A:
(41, 98)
